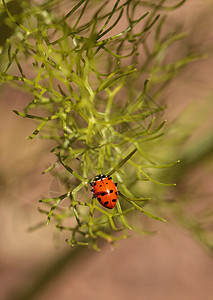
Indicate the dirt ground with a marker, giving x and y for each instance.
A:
(164, 266)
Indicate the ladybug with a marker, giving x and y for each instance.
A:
(105, 190)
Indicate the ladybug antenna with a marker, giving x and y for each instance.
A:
(122, 162)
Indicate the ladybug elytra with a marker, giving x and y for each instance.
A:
(105, 190)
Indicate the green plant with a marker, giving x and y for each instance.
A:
(90, 96)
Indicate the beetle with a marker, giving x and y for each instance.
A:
(103, 187)
(105, 190)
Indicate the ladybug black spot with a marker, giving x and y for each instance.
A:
(106, 182)
(100, 185)
(106, 202)
(103, 194)
(99, 199)
(113, 200)
(111, 191)
(94, 183)
(116, 193)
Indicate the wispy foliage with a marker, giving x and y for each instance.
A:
(90, 67)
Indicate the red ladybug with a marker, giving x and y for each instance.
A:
(105, 190)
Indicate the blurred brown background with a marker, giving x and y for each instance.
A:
(167, 265)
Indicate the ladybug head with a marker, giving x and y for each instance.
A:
(99, 177)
